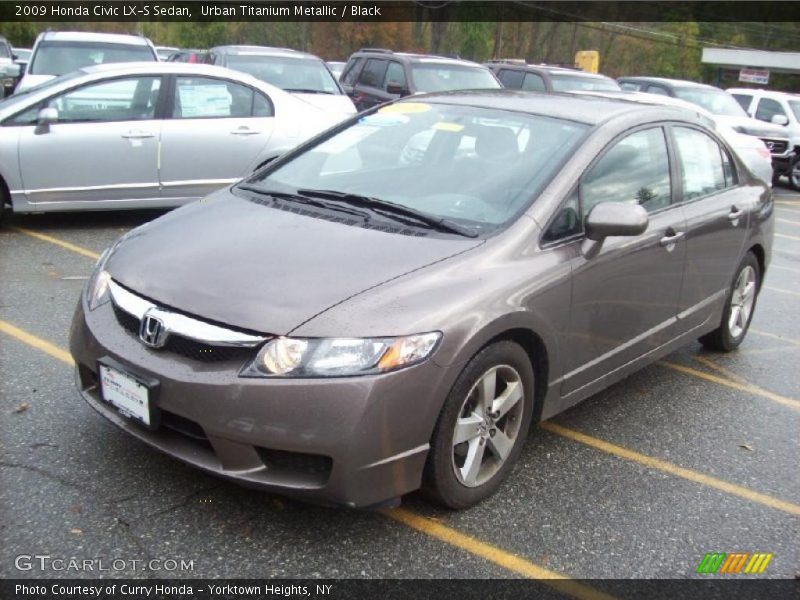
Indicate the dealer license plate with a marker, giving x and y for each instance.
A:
(130, 396)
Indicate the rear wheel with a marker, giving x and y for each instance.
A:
(739, 308)
(482, 427)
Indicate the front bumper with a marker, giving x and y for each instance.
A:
(356, 441)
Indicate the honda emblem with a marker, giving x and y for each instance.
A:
(152, 331)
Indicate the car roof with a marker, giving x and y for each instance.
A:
(590, 110)
(419, 58)
(776, 93)
(262, 51)
(667, 81)
(84, 36)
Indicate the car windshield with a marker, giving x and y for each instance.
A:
(439, 77)
(57, 58)
(795, 106)
(478, 167)
(291, 74)
(714, 101)
(570, 83)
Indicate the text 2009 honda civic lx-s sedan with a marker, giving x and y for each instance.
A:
(393, 304)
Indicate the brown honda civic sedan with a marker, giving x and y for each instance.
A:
(392, 305)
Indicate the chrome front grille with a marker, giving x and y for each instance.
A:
(185, 335)
(776, 145)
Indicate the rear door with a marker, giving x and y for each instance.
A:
(103, 147)
(717, 210)
(215, 133)
(369, 89)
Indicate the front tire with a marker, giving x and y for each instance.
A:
(794, 174)
(739, 307)
(482, 427)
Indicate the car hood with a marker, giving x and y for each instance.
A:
(751, 126)
(233, 261)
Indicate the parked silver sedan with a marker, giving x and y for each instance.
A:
(143, 135)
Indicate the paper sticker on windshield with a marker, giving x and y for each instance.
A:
(445, 126)
(384, 120)
(406, 107)
(205, 100)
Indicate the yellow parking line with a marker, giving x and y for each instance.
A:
(661, 465)
(788, 237)
(36, 342)
(775, 336)
(774, 289)
(493, 554)
(784, 268)
(714, 366)
(743, 387)
(500, 557)
(50, 239)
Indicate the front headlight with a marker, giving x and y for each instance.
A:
(97, 286)
(338, 357)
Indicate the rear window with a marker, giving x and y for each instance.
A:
(304, 74)
(438, 77)
(57, 58)
(569, 83)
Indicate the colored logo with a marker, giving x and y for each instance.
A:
(736, 562)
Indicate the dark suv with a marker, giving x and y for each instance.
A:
(376, 75)
(518, 75)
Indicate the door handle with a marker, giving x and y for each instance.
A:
(735, 215)
(135, 134)
(671, 238)
(244, 131)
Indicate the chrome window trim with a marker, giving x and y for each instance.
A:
(181, 325)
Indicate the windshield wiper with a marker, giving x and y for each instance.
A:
(393, 210)
(302, 199)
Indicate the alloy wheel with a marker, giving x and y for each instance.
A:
(488, 425)
(742, 300)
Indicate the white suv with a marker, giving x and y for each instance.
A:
(782, 109)
(59, 52)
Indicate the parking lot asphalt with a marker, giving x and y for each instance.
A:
(698, 453)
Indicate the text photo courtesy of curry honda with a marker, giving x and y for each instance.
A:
(399, 300)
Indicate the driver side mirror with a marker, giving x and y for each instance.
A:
(608, 219)
(393, 87)
(780, 120)
(45, 118)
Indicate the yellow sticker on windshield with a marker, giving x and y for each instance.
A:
(444, 126)
(406, 107)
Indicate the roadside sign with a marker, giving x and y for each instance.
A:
(754, 75)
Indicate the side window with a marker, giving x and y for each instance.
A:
(701, 163)
(533, 82)
(372, 74)
(567, 222)
(635, 169)
(262, 107)
(130, 99)
(630, 86)
(743, 100)
(395, 74)
(203, 97)
(768, 108)
(351, 70)
(510, 78)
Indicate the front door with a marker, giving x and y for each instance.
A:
(104, 146)
(625, 298)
